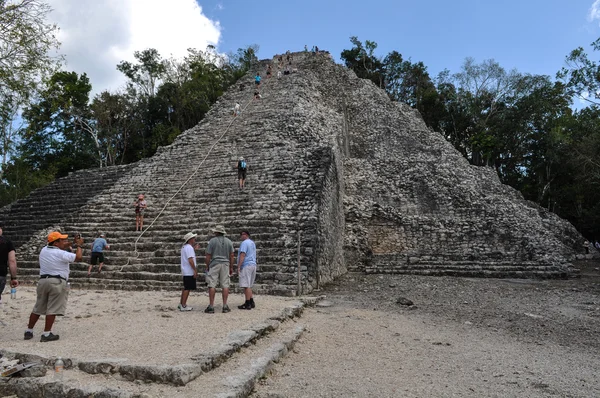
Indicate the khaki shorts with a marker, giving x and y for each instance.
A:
(218, 274)
(52, 297)
(247, 276)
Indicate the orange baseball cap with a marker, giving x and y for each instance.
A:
(55, 235)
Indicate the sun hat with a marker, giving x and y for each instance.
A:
(241, 158)
(55, 235)
(189, 236)
(220, 229)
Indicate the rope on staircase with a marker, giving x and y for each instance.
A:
(137, 254)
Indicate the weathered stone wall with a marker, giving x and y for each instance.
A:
(414, 204)
(329, 258)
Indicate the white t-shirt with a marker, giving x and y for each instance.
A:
(55, 261)
(187, 252)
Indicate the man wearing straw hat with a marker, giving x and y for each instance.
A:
(219, 267)
(188, 269)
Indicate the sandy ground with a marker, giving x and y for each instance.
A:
(461, 338)
(132, 327)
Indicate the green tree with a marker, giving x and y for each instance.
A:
(26, 46)
(480, 92)
(362, 60)
(582, 75)
(411, 84)
(147, 74)
(117, 119)
(56, 135)
(244, 59)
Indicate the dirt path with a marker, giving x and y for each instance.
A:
(462, 338)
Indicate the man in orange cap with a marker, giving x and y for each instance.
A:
(52, 292)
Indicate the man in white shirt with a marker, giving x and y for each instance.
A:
(52, 292)
(188, 269)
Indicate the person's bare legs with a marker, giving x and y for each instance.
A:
(225, 295)
(211, 296)
(248, 293)
(184, 296)
(100, 267)
(49, 322)
(90, 270)
(141, 223)
(33, 318)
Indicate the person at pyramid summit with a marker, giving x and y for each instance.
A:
(52, 291)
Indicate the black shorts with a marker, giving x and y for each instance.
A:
(97, 256)
(241, 174)
(256, 82)
(189, 283)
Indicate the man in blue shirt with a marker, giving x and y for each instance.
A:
(246, 263)
(97, 253)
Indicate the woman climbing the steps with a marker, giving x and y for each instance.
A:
(140, 207)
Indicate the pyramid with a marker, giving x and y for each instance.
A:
(340, 179)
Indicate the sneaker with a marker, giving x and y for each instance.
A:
(209, 310)
(50, 337)
(226, 309)
(182, 308)
(244, 307)
(28, 335)
(252, 303)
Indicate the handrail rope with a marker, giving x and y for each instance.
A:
(186, 181)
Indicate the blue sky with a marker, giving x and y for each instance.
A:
(533, 36)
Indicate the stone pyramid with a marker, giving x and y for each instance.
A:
(340, 178)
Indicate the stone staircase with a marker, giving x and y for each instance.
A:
(281, 198)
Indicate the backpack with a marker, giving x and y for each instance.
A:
(243, 164)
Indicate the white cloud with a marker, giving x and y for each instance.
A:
(594, 13)
(97, 35)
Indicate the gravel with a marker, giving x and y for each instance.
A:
(460, 338)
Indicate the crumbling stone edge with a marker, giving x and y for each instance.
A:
(241, 386)
(178, 375)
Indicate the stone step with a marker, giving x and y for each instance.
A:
(491, 272)
(260, 287)
(237, 376)
(276, 271)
